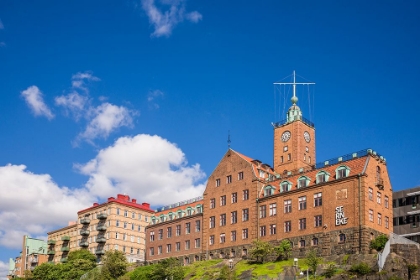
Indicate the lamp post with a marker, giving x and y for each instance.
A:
(230, 263)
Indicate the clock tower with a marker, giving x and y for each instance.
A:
(294, 138)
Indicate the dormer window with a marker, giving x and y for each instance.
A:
(342, 172)
(162, 218)
(171, 216)
(189, 212)
(322, 176)
(268, 190)
(303, 182)
(285, 186)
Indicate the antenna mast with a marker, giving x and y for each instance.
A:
(294, 99)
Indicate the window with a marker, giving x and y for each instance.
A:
(245, 233)
(187, 228)
(151, 251)
(211, 239)
(342, 172)
(197, 242)
(170, 216)
(240, 176)
(117, 223)
(281, 159)
(189, 212)
(287, 226)
(233, 217)
(212, 203)
(223, 200)
(162, 218)
(125, 224)
(262, 231)
(371, 215)
(318, 220)
(302, 202)
(222, 238)
(169, 232)
(223, 219)
(199, 209)
(288, 206)
(285, 186)
(273, 209)
(289, 157)
(386, 202)
(152, 236)
(386, 222)
(118, 211)
(302, 243)
(379, 219)
(133, 215)
(217, 182)
(139, 216)
(187, 245)
(322, 177)
(302, 223)
(168, 248)
(370, 194)
(160, 236)
(197, 226)
(303, 182)
(314, 241)
(233, 235)
(378, 174)
(125, 213)
(245, 214)
(132, 226)
(342, 238)
(177, 246)
(378, 197)
(318, 199)
(178, 230)
(262, 211)
(228, 179)
(268, 190)
(273, 229)
(159, 250)
(234, 197)
(245, 194)
(285, 149)
(212, 221)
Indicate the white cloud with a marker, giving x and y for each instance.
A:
(146, 165)
(165, 21)
(4, 269)
(73, 102)
(36, 204)
(152, 96)
(34, 98)
(79, 80)
(105, 119)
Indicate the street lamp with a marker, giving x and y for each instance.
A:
(230, 263)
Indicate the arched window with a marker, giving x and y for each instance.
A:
(342, 172)
(285, 186)
(342, 238)
(378, 174)
(269, 190)
(303, 181)
(322, 176)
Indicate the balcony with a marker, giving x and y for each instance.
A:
(85, 221)
(34, 260)
(101, 239)
(101, 227)
(63, 260)
(51, 242)
(51, 252)
(84, 244)
(65, 249)
(100, 251)
(380, 183)
(102, 216)
(65, 238)
(85, 232)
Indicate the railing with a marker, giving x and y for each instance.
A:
(51, 242)
(184, 202)
(102, 216)
(65, 249)
(283, 122)
(85, 221)
(101, 239)
(101, 227)
(50, 252)
(84, 244)
(100, 251)
(65, 238)
(84, 232)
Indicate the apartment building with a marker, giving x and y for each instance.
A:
(61, 242)
(175, 231)
(406, 221)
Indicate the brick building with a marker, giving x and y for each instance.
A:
(61, 242)
(407, 213)
(175, 231)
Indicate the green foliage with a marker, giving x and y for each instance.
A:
(360, 268)
(412, 270)
(114, 265)
(260, 250)
(330, 271)
(226, 274)
(284, 250)
(47, 271)
(379, 242)
(167, 269)
(345, 259)
(81, 254)
(141, 273)
(312, 260)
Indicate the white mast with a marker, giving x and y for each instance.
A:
(294, 99)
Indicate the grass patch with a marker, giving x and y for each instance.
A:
(202, 269)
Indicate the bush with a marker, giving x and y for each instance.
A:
(379, 242)
(284, 250)
(360, 268)
(330, 271)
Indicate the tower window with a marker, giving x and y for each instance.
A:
(281, 159)
(285, 148)
(309, 159)
(304, 157)
(307, 149)
(289, 157)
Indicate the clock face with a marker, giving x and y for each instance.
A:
(307, 136)
(285, 136)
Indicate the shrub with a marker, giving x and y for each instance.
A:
(330, 271)
(360, 268)
(284, 249)
(379, 242)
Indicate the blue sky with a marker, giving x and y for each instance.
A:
(100, 97)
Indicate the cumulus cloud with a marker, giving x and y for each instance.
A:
(165, 21)
(79, 80)
(105, 119)
(146, 165)
(152, 96)
(36, 204)
(34, 98)
(73, 102)
(4, 269)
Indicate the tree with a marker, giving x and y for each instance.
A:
(47, 271)
(312, 260)
(114, 265)
(170, 268)
(379, 242)
(260, 250)
(284, 249)
(226, 274)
